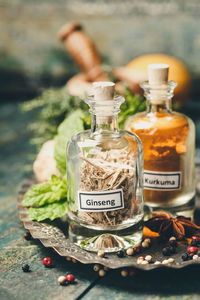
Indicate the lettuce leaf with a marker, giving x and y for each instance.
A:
(46, 192)
(49, 211)
(74, 123)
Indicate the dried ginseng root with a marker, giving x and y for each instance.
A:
(109, 170)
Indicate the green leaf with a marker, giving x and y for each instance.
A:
(132, 105)
(46, 192)
(74, 123)
(49, 211)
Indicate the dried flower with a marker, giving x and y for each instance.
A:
(166, 225)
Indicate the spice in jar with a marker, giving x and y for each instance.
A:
(168, 140)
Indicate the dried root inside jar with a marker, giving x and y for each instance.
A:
(110, 170)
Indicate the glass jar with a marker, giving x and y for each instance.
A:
(104, 173)
(168, 141)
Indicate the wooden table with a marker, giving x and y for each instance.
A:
(41, 283)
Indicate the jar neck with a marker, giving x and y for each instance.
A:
(159, 98)
(159, 107)
(101, 124)
(104, 114)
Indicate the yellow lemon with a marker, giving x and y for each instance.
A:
(177, 72)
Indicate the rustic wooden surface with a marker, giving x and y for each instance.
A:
(41, 283)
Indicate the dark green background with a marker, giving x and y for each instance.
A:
(31, 56)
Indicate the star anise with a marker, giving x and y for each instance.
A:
(167, 226)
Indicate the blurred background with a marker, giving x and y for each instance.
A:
(32, 57)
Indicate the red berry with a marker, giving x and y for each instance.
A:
(47, 261)
(192, 249)
(137, 249)
(131, 273)
(194, 237)
(70, 278)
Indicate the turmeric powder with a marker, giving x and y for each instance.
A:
(164, 139)
(168, 144)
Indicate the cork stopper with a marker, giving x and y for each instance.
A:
(103, 90)
(158, 74)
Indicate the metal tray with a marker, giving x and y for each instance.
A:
(54, 235)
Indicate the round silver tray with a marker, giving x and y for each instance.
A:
(54, 235)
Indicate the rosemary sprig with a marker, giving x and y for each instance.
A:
(51, 108)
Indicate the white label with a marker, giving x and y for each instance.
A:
(101, 201)
(162, 180)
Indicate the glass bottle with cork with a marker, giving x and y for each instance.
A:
(168, 141)
(104, 173)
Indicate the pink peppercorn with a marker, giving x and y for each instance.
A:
(192, 249)
(196, 238)
(137, 249)
(47, 261)
(131, 273)
(70, 278)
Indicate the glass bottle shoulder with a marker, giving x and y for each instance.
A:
(119, 140)
(87, 137)
(147, 121)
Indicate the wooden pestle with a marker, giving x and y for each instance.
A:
(82, 50)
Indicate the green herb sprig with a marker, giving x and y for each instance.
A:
(50, 109)
(133, 104)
